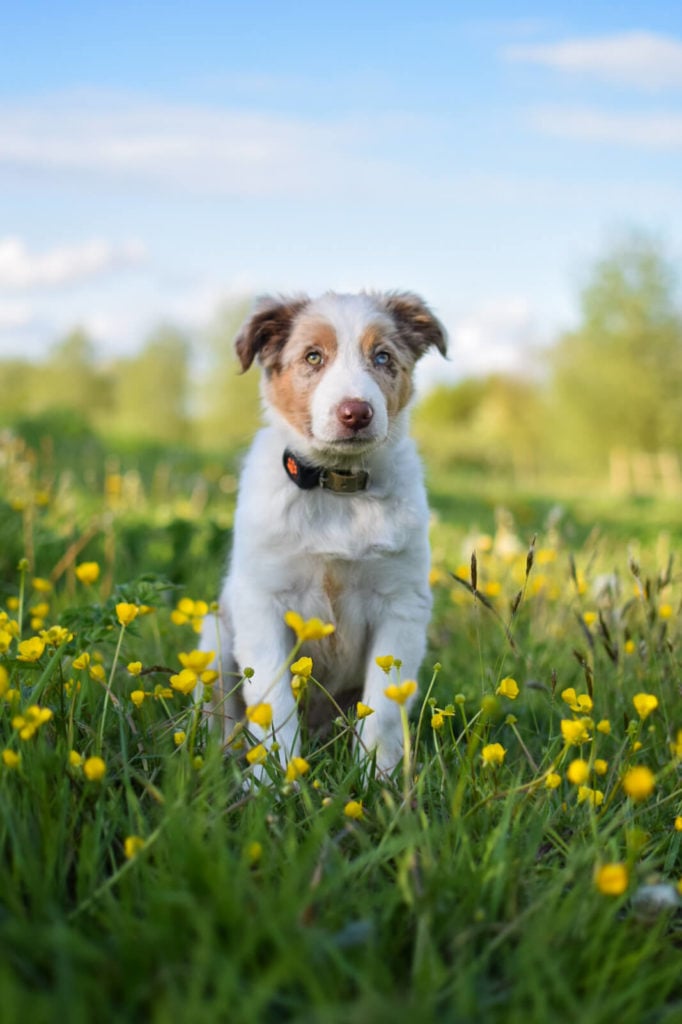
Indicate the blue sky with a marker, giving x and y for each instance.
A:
(157, 159)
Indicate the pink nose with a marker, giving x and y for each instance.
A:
(354, 414)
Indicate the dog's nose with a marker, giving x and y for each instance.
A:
(354, 414)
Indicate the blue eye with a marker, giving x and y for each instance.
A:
(381, 358)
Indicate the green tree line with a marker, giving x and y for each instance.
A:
(613, 383)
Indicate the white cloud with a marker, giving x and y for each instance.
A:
(653, 131)
(14, 315)
(20, 268)
(646, 60)
(195, 148)
(494, 338)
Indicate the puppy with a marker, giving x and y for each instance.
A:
(331, 519)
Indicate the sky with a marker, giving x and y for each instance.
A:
(160, 159)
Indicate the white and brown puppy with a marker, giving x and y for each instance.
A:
(331, 519)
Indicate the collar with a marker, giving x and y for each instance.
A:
(341, 481)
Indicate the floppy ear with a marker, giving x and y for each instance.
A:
(266, 331)
(417, 325)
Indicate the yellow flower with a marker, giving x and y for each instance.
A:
(493, 755)
(612, 879)
(298, 685)
(132, 846)
(600, 766)
(98, 673)
(578, 772)
(308, 629)
(5, 640)
(31, 650)
(260, 714)
(55, 636)
(161, 691)
(297, 767)
(4, 681)
(87, 573)
(253, 852)
(197, 661)
(82, 661)
(11, 759)
(179, 737)
(644, 703)
(676, 745)
(75, 759)
(553, 781)
(508, 688)
(134, 667)
(353, 809)
(580, 703)
(303, 667)
(639, 783)
(257, 754)
(594, 796)
(589, 618)
(189, 612)
(385, 662)
(401, 692)
(94, 769)
(363, 710)
(43, 586)
(126, 613)
(184, 681)
(28, 724)
(629, 646)
(437, 720)
(137, 697)
(41, 610)
(575, 732)
(665, 610)
(678, 824)
(604, 727)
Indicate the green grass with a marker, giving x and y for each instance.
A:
(466, 892)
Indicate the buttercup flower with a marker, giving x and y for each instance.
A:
(11, 759)
(493, 755)
(508, 688)
(303, 667)
(639, 783)
(31, 650)
(197, 661)
(578, 772)
(184, 681)
(594, 796)
(385, 662)
(137, 697)
(132, 846)
(308, 629)
(401, 692)
(28, 724)
(353, 809)
(87, 573)
(612, 879)
(82, 661)
(553, 781)
(4, 681)
(179, 737)
(189, 612)
(75, 759)
(55, 636)
(257, 754)
(134, 667)
(297, 767)
(43, 586)
(363, 710)
(644, 703)
(581, 703)
(126, 613)
(260, 714)
(604, 727)
(94, 769)
(576, 732)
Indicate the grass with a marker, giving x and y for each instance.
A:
(465, 889)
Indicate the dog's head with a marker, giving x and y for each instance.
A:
(338, 369)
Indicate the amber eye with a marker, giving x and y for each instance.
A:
(381, 358)
(314, 358)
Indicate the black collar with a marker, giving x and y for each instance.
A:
(341, 481)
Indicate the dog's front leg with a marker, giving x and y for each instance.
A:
(404, 639)
(262, 650)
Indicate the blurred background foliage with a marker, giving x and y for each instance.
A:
(604, 399)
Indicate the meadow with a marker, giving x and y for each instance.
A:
(524, 862)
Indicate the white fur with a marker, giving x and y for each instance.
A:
(288, 541)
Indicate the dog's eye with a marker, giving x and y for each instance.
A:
(314, 358)
(381, 358)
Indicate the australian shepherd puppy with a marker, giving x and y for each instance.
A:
(331, 519)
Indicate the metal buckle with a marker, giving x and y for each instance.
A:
(342, 481)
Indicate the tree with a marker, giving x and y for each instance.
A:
(616, 381)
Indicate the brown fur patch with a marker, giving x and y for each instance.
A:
(418, 327)
(395, 380)
(290, 384)
(267, 330)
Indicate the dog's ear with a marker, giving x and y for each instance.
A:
(266, 331)
(417, 325)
